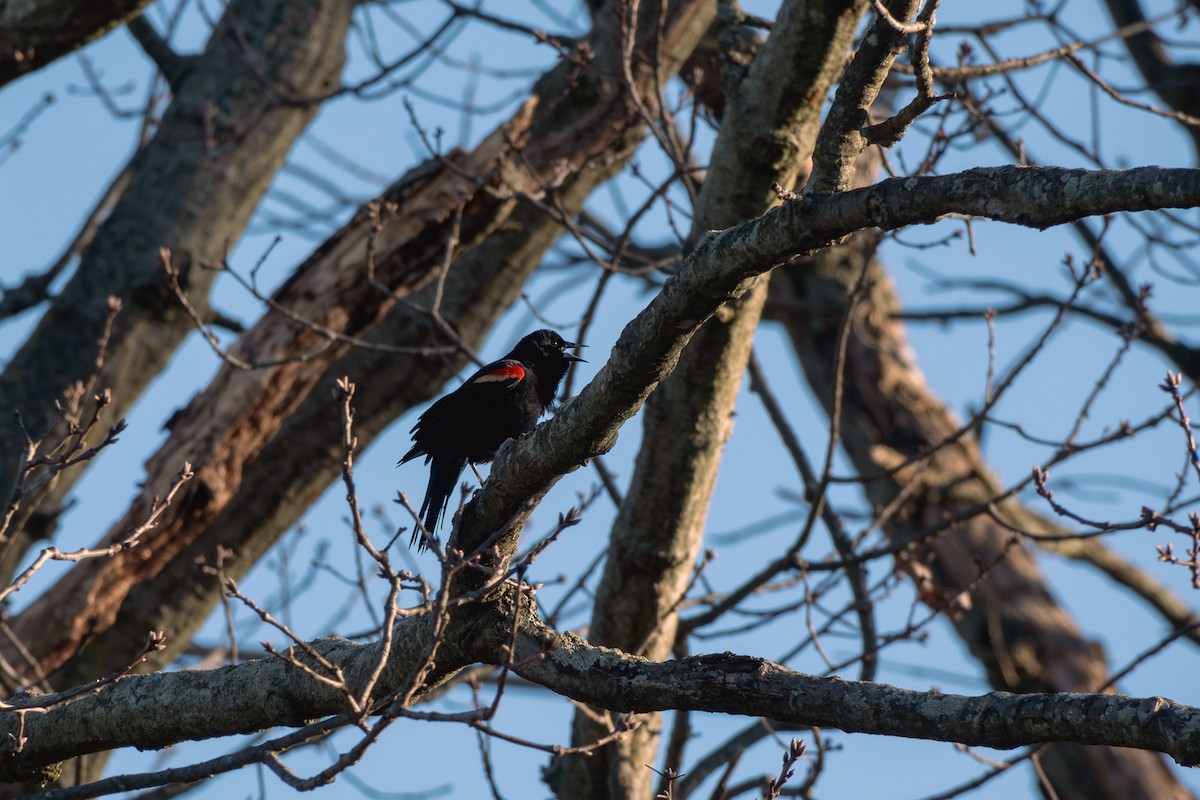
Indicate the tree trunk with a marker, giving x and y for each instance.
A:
(192, 189)
(766, 135)
(1015, 628)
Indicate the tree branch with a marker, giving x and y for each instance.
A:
(733, 684)
(279, 463)
(273, 692)
(173, 66)
(722, 266)
(38, 32)
(192, 189)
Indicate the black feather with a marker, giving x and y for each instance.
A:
(501, 401)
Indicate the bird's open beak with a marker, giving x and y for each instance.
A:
(572, 356)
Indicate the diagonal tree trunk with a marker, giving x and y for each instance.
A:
(282, 474)
(1015, 628)
(725, 265)
(767, 133)
(191, 189)
(1025, 640)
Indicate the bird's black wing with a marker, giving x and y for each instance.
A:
(456, 429)
(440, 425)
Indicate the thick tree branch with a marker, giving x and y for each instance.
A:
(742, 685)
(253, 696)
(844, 134)
(274, 692)
(252, 488)
(173, 66)
(1014, 626)
(722, 266)
(34, 33)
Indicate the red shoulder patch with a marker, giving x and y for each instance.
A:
(509, 372)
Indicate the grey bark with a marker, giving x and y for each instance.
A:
(721, 267)
(297, 464)
(272, 692)
(767, 132)
(842, 138)
(725, 263)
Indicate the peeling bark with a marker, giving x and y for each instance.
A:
(263, 463)
(719, 270)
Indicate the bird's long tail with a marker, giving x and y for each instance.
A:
(443, 477)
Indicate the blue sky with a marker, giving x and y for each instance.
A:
(74, 148)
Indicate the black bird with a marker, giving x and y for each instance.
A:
(501, 401)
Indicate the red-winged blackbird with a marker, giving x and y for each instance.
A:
(501, 401)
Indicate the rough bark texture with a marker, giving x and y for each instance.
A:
(264, 461)
(721, 268)
(192, 189)
(657, 536)
(34, 33)
(842, 140)
(756, 687)
(1015, 628)
(262, 694)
